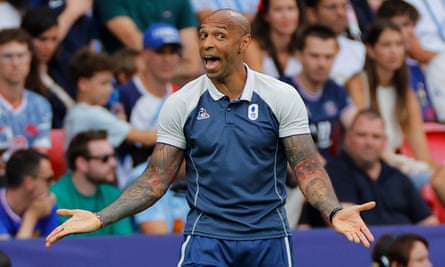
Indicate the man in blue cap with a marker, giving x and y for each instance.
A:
(161, 55)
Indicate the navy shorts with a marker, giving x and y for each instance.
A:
(199, 251)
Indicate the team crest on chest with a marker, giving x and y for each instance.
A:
(253, 112)
(202, 114)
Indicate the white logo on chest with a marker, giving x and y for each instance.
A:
(253, 112)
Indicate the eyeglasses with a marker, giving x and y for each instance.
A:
(103, 158)
(8, 57)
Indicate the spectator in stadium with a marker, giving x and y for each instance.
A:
(274, 37)
(128, 63)
(351, 55)
(401, 250)
(405, 16)
(328, 104)
(25, 116)
(430, 28)
(42, 24)
(92, 72)
(237, 216)
(89, 184)
(144, 95)
(77, 28)
(27, 209)
(384, 85)
(359, 174)
(123, 24)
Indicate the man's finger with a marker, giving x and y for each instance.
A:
(367, 206)
(65, 212)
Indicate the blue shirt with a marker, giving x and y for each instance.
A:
(235, 160)
(10, 222)
(325, 110)
(27, 125)
(418, 85)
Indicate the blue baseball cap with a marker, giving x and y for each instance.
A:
(160, 34)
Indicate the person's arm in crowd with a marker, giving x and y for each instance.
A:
(318, 190)
(414, 133)
(419, 53)
(430, 220)
(438, 184)
(141, 194)
(356, 91)
(74, 9)
(124, 28)
(40, 208)
(145, 137)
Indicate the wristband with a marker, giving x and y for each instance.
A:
(334, 212)
(100, 218)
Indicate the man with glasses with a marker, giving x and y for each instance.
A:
(27, 209)
(89, 184)
(25, 117)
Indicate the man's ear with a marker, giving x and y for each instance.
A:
(244, 43)
(28, 182)
(82, 84)
(81, 164)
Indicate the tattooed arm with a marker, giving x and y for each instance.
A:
(317, 187)
(312, 178)
(141, 194)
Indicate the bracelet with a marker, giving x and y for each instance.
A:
(334, 212)
(101, 219)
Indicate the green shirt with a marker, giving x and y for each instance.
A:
(68, 197)
(179, 13)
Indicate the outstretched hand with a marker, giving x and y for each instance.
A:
(348, 222)
(81, 221)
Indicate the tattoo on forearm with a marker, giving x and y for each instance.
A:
(313, 179)
(149, 187)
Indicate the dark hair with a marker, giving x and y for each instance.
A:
(86, 63)
(38, 20)
(393, 8)
(261, 32)
(16, 35)
(78, 146)
(22, 163)
(395, 248)
(311, 3)
(400, 77)
(315, 30)
(125, 60)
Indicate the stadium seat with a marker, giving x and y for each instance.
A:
(435, 134)
(56, 152)
(436, 207)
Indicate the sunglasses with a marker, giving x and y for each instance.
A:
(103, 158)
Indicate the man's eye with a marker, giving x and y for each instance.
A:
(220, 36)
(202, 35)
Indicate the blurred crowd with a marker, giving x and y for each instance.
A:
(370, 74)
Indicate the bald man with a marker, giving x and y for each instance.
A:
(236, 129)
